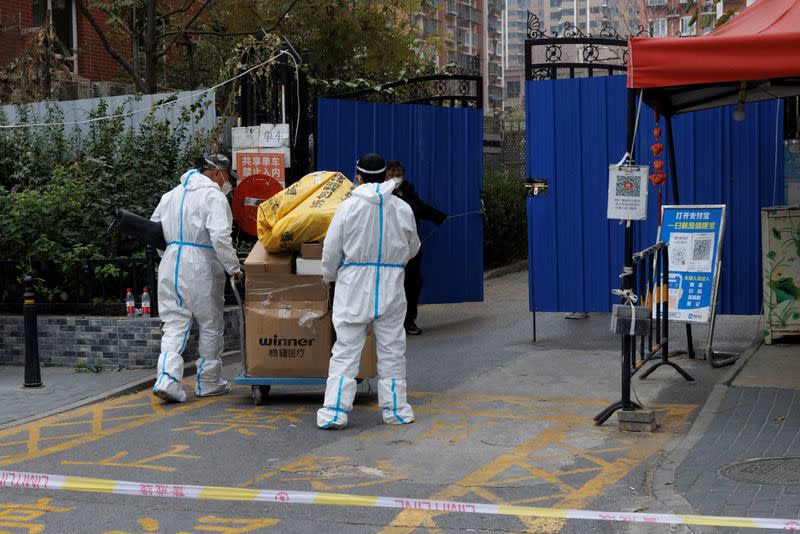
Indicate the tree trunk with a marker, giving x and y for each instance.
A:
(150, 49)
(190, 62)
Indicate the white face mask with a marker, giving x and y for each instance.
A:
(226, 188)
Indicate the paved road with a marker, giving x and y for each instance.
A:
(499, 420)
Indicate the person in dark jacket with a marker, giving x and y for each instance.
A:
(422, 212)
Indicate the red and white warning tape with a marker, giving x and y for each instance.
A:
(38, 481)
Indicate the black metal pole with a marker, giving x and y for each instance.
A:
(676, 199)
(627, 273)
(664, 276)
(33, 373)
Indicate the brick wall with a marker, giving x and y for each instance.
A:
(93, 60)
(109, 341)
(16, 16)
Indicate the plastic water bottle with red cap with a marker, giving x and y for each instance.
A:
(130, 304)
(146, 303)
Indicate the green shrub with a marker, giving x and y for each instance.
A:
(505, 233)
(58, 192)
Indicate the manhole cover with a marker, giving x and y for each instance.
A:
(779, 471)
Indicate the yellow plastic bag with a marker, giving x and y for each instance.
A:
(276, 207)
(301, 220)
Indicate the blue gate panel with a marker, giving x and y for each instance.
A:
(442, 150)
(577, 127)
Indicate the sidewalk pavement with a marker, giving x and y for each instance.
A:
(64, 388)
(67, 388)
(742, 455)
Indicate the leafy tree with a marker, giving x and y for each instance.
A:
(341, 39)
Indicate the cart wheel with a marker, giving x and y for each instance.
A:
(260, 394)
(364, 387)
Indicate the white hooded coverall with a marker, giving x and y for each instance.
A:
(196, 220)
(370, 239)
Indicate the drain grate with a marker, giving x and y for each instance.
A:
(777, 471)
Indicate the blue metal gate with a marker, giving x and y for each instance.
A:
(576, 128)
(442, 150)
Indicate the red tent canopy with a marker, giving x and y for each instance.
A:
(758, 46)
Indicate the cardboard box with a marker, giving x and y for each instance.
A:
(311, 251)
(309, 267)
(288, 329)
(261, 261)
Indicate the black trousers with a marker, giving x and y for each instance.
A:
(413, 287)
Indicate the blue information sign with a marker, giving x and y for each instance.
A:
(694, 235)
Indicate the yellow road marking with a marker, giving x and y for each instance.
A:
(31, 434)
(488, 477)
(145, 463)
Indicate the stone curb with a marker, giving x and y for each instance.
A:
(515, 267)
(189, 369)
(664, 476)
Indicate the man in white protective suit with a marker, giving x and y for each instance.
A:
(370, 239)
(196, 220)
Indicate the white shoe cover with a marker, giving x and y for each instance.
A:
(392, 400)
(170, 391)
(212, 389)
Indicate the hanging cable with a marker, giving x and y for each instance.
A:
(143, 110)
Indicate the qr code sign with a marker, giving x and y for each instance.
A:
(702, 249)
(627, 186)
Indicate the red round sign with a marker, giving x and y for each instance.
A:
(248, 195)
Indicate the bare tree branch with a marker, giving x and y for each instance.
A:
(178, 33)
(208, 32)
(185, 28)
(127, 65)
(186, 7)
(282, 17)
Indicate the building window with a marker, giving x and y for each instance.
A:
(62, 18)
(686, 28)
(658, 27)
(656, 2)
(513, 89)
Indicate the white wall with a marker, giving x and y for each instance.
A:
(80, 110)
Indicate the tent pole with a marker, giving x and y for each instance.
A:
(672, 167)
(676, 199)
(627, 281)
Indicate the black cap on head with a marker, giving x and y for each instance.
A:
(371, 167)
(221, 162)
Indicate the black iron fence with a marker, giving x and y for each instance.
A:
(570, 53)
(99, 287)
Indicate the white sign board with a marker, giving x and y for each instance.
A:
(244, 136)
(627, 192)
(274, 135)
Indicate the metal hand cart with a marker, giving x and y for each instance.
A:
(261, 385)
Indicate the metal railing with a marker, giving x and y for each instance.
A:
(647, 285)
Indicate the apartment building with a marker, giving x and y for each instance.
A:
(669, 18)
(463, 29)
